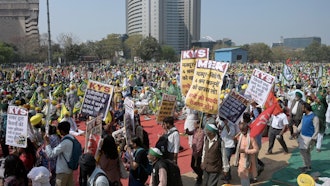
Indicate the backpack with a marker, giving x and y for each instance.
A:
(76, 153)
(103, 174)
(173, 173)
(162, 144)
(146, 168)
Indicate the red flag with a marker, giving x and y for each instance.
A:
(258, 125)
(271, 100)
(288, 61)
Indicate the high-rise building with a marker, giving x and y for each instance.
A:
(172, 22)
(19, 22)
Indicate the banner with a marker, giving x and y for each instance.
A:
(259, 86)
(129, 118)
(97, 99)
(93, 131)
(187, 66)
(166, 108)
(17, 124)
(287, 73)
(233, 107)
(204, 93)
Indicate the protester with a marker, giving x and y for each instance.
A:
(214, 159)
(227, 134)
(245, 158)
(319, 109)
(296, 113)
(74, 130)
(173, 138)
(159, 173)
(307, 131)
(197, 150)
(15, 172)
(3, 126)
(278, 127)
(63, 152)
(109, 160)
(90, 174)
(44, 160)
(138, 176)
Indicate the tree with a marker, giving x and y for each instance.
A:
(7, 53)
(150, 49)
(70, 45)
(259, 52)
(168, 53)
(316, 52)
(107, 47)
(132, 45)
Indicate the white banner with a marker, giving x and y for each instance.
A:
(17, 123)
(259, 86)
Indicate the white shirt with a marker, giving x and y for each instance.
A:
(173, 145)
(279, 121)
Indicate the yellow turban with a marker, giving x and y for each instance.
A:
(36, 119)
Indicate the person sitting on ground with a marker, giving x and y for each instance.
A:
(73, 125)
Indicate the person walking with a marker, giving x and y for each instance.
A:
(278, 127)
(296, 112)
(197, 150)
(214, 160)
(307, 131)
(159, 173)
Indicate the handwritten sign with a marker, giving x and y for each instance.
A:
(204, 93)
(233, 107)
(167, 107)
(259, 86)
(129, 118)
(17, 123)
(97, 99)
(93, 127)
(188, 63)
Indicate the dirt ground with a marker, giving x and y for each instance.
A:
(272, 162)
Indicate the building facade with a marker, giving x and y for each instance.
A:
(172, 22)
(19, 22)
(297, 43)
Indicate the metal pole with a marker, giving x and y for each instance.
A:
(49, 39)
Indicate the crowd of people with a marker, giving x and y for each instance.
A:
(45, 90)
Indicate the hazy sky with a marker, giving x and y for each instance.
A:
(243, 21)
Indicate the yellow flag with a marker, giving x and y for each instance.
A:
(63, 111)
(108, 118)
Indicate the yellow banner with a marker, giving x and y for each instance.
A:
(187, 66)
(166, 108)
(205, 90)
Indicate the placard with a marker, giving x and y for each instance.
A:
(204, 93)
(233, 107)
(16, 130)
(187, 66)
(97, 99)
(93, 127)
(129, 118)
(166, 108)
(259, 86)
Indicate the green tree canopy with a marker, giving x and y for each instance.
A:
(150, 49)
(259, 52)
(7, 53)
(168, 53)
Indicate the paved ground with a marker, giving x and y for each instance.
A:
(273, 163)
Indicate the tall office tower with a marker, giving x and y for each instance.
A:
(172, 22)
(19, 22)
